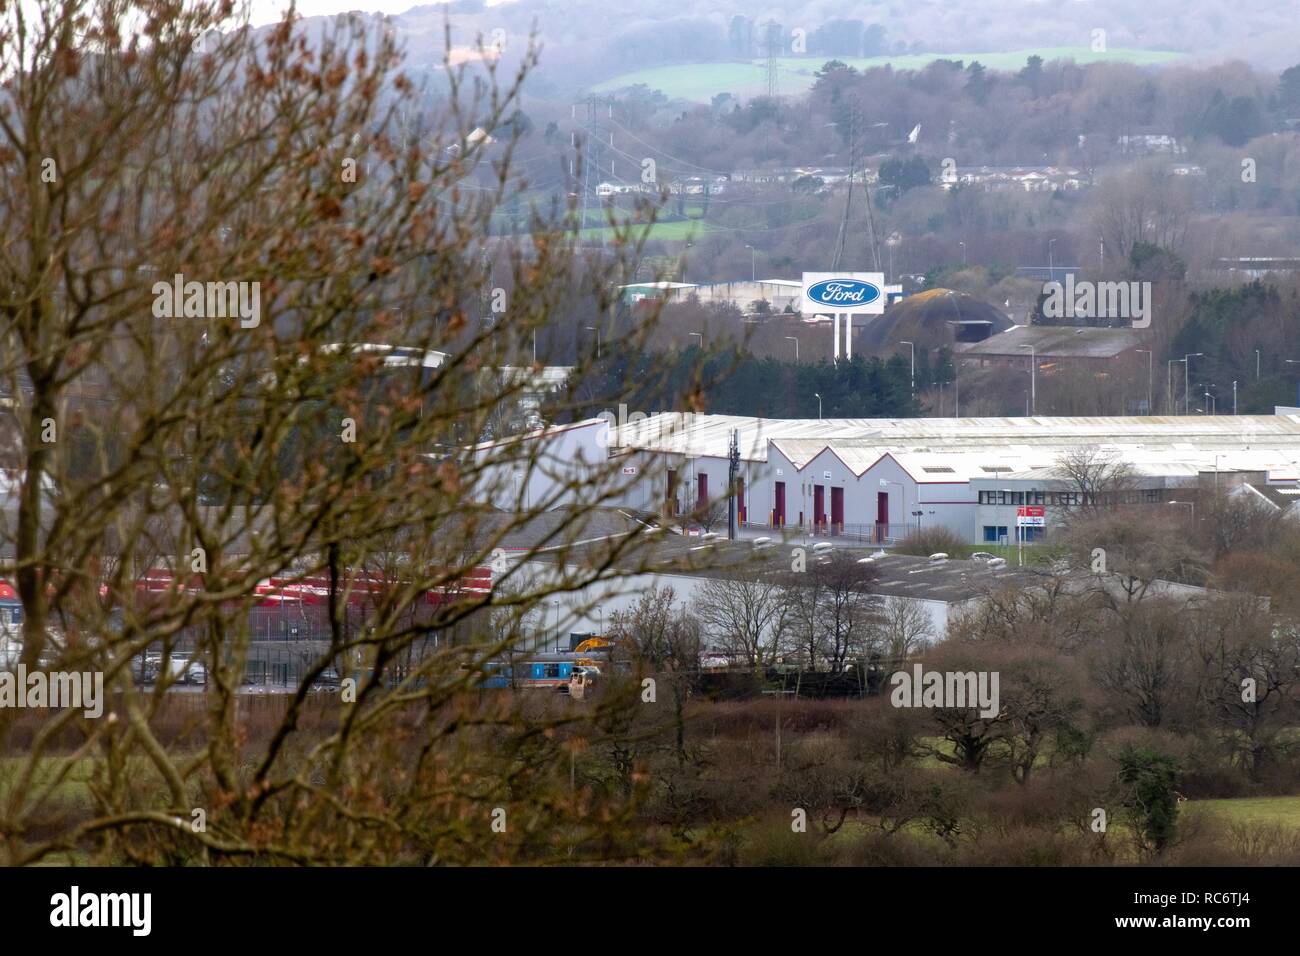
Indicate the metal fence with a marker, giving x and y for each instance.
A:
(872, 533)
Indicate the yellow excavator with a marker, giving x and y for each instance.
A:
(589, 646)
(593, 644)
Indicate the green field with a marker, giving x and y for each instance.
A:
(678, 231)
(700, 82)
(1283, 811)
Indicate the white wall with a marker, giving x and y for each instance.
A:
(589, 609)
(550, 469)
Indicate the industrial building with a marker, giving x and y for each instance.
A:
(877, 479)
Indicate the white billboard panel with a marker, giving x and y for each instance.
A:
(831, 293)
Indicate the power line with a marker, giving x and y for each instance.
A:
(773, 39)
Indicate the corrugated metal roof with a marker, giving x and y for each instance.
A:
(1030, 447)
(1049, 341)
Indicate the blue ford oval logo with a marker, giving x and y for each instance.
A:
(844, 292)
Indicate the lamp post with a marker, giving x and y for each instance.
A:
(819, 405)
(1020, 547)
(753, 268)
(1234, 396)
(912, 350)
(795, 340)
(1051, 262)
(1190, 504)
(1187, 393)
(1257, 363)
(699, 335)
(1170, 404)
(592, 328)
(963, 252)
(1033, 388)
(1150, 364)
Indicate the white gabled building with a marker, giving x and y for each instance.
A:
(877, 479)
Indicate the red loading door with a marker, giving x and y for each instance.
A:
(837, 510)
(819, 506)
(702, 490)
(740, 499)
(882, 510)
(778, 517)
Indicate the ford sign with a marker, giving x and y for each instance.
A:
(843, 292)
(843, 295)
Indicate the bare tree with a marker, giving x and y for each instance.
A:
(1098, 477)
(745, 613)
(1142, 660)
(667, 638)
(1249, 673)
(905, 627)
(830, 611)
(242, 331)
(1135, 552)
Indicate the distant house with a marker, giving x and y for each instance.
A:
(1281, 498)
(1153, 142)
(1256, 267)
(1028, 178)
(667, 291)
(777, 293)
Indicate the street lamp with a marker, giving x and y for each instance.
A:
(700, 335)
(1150, 363)
(941, 385)
(1190, 504)
(819, 405)
(592, 328)
(963, 252)
(753, 268)
(1051, 262)
(1211, 401)
(1033, 389)
(1187, 393)
(912, 349)
(795, 340)
(1170, 404)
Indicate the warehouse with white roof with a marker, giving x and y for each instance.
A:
(876, 479)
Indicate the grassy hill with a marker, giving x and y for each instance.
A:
(699, 82)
